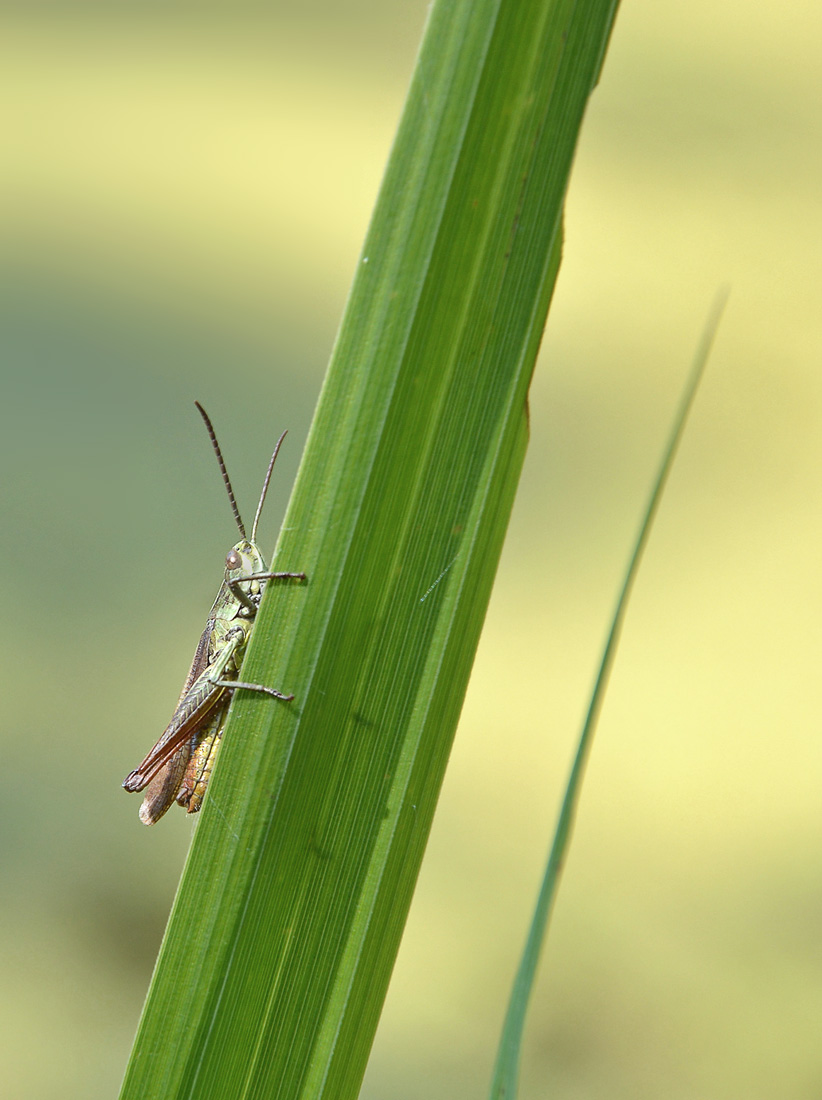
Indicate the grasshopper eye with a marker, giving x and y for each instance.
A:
(233, 560)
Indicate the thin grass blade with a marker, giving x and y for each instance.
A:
(505, 1081)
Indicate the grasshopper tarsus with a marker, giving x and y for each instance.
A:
(233, 685)
(273, 577)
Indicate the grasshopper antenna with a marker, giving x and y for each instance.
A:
(265, 485)
(224, 471)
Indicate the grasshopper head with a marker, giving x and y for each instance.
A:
(242, 559)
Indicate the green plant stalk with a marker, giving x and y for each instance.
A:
(285, 928)
(505, 1081)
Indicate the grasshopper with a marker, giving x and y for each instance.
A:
(178, 768)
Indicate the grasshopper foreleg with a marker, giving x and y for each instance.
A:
(275, 577)
(246, 600)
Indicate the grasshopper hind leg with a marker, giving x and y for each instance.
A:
(198, 772)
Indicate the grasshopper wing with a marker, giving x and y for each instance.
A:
(163, 789)
(193, 710)
(199, 662)
(193, 706)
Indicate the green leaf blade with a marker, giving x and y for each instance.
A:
(288, 919)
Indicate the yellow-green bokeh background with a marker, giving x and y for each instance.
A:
(184, 192)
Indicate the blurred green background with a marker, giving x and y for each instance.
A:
(185, 189)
